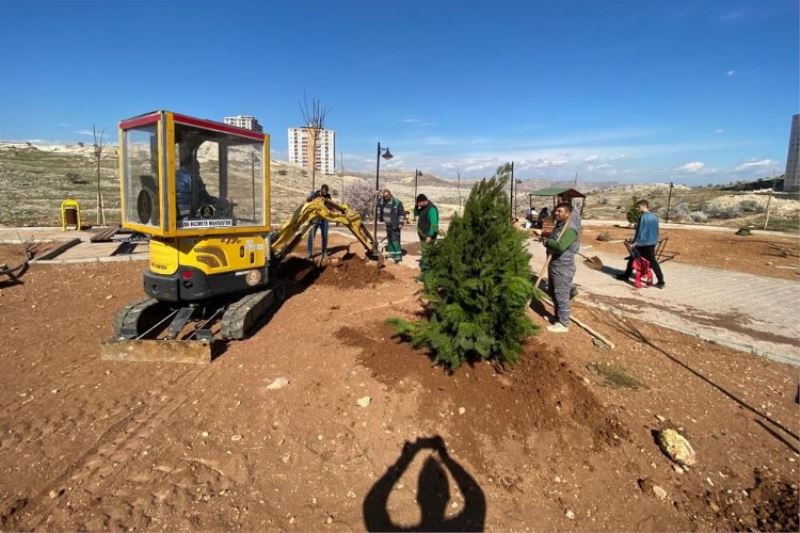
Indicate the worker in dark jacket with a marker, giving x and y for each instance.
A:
(562, 245)
(427, 215)
(644, 243)
(320, 224)
(394, 216)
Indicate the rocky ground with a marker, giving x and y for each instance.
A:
(322, 421)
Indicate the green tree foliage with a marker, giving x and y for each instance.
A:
(633, 215)
(478, 285)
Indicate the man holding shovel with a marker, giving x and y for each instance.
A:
(562, 245)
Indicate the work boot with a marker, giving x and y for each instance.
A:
(660, 285)
(558, 327)
(573, 292)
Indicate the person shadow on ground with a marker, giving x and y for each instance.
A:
(433, 492)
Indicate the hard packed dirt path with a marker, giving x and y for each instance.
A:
(304, 426)
(753, 313)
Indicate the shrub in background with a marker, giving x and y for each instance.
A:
(478, 285)
(698, 216)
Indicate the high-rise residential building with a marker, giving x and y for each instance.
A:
(244, 121)
(791, 179)
(299, 149)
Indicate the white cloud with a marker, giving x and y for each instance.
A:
(84, 132)
(601, 166)
(692, 168)
(755, 163)
(719, 130)
(545, 163)
(730, 73)
(416, 122)
(593, 157)
(63, 124)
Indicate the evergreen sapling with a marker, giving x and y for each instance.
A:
(478, 285)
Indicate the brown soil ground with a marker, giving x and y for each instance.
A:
(14, 254)
(367, 434)
(774, 256)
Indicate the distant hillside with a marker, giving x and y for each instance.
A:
(35, 179)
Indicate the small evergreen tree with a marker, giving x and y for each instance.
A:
(478, 285)
(633, 215)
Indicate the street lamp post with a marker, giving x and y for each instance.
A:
(669, 199)
(387, 155)
(417, 175)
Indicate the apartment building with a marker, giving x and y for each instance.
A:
(244, 121)
(791, 182)
(299, 149)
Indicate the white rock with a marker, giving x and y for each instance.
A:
(569, 514)
(236, 438)
(204, 434)
(364, 401)
(660, 493)
(278, 383)
(461, 410)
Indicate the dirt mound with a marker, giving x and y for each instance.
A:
(540, 394)
(352, 272)
(770, 505)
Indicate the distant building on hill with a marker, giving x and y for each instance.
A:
(792, 177)
(299, 150)
(244, 121)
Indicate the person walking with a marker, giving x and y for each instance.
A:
(320, 224)
(394, 216)
(562, 245)
(644, 243)
(427, 215)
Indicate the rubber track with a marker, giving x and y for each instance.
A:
(128, 317)
(242, 314)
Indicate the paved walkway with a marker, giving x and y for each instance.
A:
(744, 311)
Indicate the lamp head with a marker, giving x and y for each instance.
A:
(387, 155)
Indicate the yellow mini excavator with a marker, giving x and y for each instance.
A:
(201, 191)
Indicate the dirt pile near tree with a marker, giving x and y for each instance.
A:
(539, 395)
(353, 272)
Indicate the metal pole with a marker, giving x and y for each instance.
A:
(416, 177)
(669, 199)
(377, 201)
(766, 218)
(253, 182)
(513, 186)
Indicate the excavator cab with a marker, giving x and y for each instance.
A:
(183, 176)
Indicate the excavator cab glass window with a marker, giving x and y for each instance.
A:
(218, 179)
(141, 184)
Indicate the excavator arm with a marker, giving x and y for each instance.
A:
(284, 239)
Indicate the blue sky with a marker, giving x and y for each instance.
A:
(698, 91)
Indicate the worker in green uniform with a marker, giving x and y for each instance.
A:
(427, 215)
(562, 245)
(394, 216)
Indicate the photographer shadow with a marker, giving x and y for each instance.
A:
(433, 493)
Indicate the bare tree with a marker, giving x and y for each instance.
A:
(98, 153)
(314, 116)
